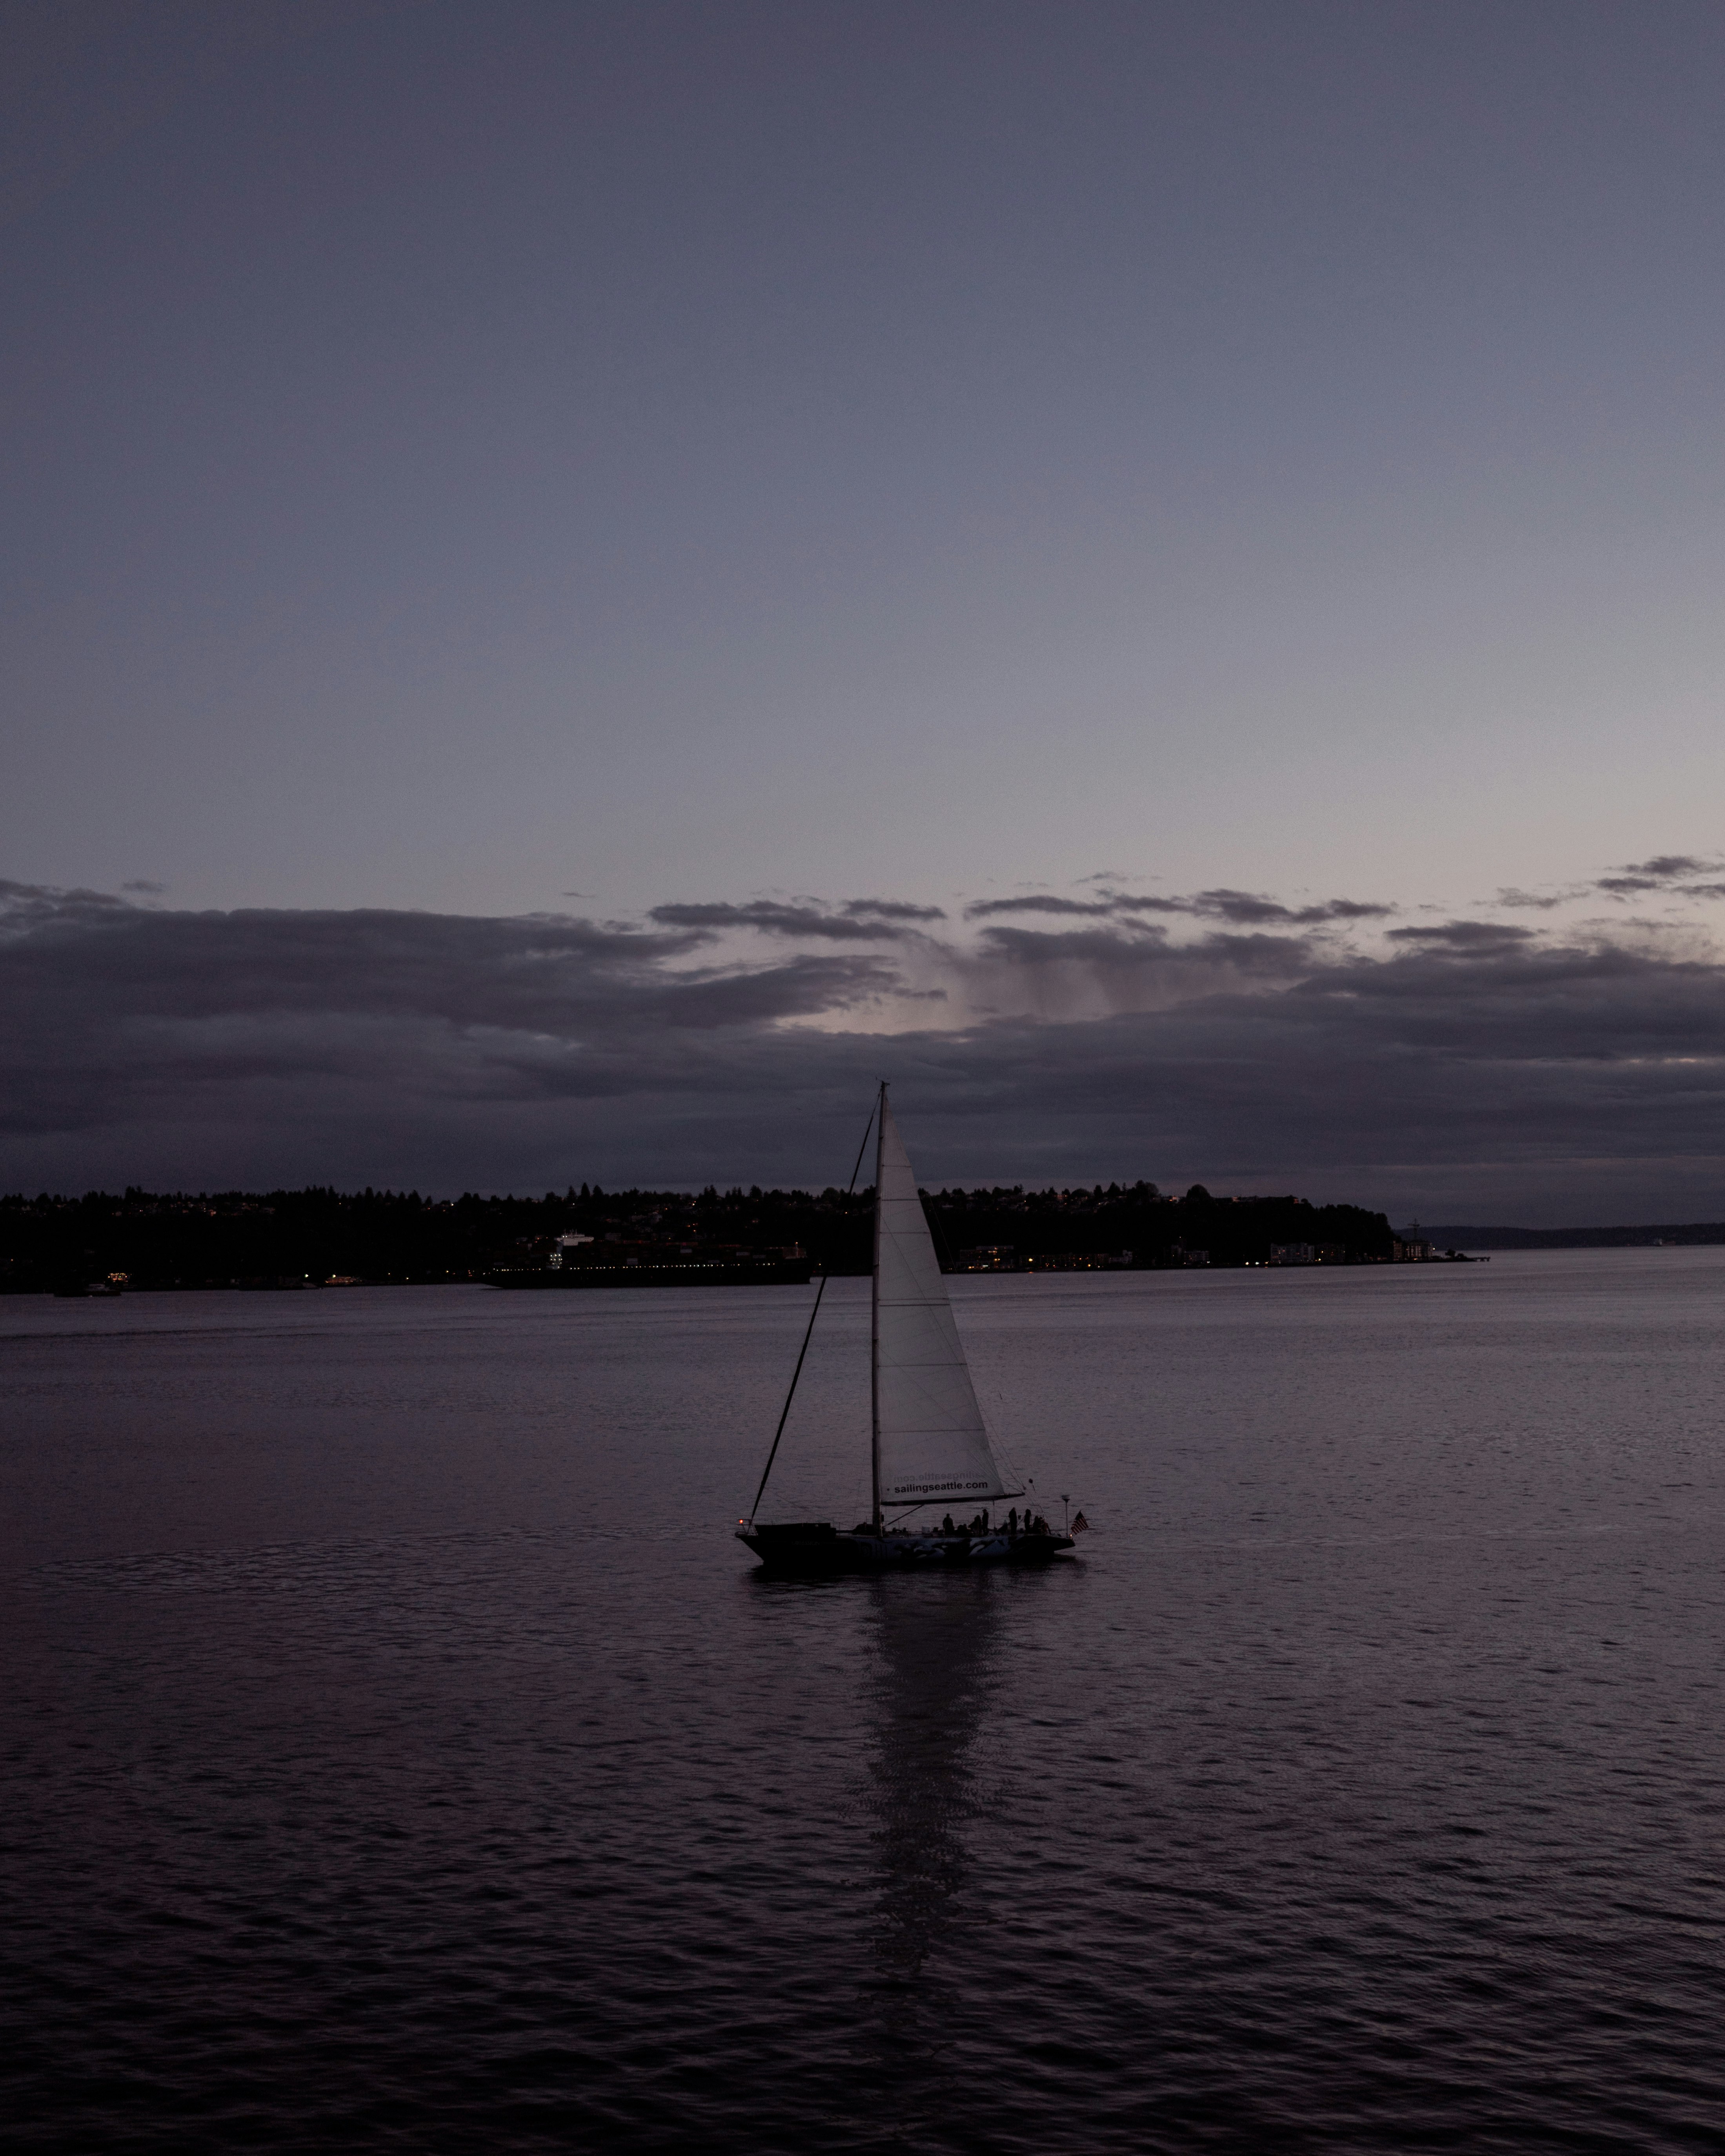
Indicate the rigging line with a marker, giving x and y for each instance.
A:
(808, 1336)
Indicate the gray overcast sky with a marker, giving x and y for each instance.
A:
(462, 454)
(459, 457)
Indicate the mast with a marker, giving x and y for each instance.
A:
(875, 1315)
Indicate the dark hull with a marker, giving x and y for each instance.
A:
(815, 1550)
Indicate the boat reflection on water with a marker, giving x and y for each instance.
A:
(936, 1640)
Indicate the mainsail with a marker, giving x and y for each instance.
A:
(931, 1444)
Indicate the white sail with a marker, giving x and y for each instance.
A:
(932, 1445)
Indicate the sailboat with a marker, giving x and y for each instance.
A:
(930, 1446)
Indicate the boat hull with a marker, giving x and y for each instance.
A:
(815, 1550)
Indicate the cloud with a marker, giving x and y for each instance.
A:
(1251, 908)
(1671, 868)
(1244, 908)
(1462, 1068)
(1457, 937)
(126, 1013)
(1665, 872)
(1127, 905)
(1345, 908)
(989, 909)
(890, 909)
(1540, 901)
(859, 921)
(1102, 970)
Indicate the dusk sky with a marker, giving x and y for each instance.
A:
(582, 580)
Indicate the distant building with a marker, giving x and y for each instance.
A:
(1292, 1253)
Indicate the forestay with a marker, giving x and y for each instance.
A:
(932, 1445)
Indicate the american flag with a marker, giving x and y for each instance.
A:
(1079, 1524)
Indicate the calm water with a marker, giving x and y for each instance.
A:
(398, 1753)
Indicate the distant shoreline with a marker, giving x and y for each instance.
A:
(145, 1239)
(1691, 1234)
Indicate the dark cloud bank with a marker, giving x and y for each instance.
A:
(1464, 1069)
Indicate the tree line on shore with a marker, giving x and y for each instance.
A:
(284, 1238)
